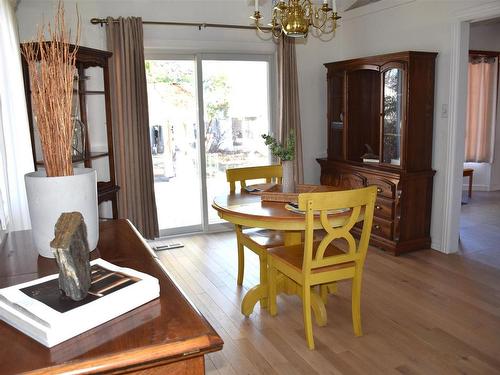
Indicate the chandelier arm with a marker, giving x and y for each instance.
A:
(322, 24)
(274, 29)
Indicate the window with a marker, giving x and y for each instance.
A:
(207, 114)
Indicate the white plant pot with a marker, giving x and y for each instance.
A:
(48, 197)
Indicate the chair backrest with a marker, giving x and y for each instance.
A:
(361, 203)
(271, 173)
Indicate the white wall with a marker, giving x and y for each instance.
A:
(486, 37)
(382, 27)
(172, 38)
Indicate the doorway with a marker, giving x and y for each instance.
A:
(479, 220)
(455, 144)
(207, 113)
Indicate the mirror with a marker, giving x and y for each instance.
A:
(392, 116)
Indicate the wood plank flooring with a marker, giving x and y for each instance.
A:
(422, 313)
(480, 227)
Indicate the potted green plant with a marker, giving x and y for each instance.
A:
(58, 187)
(286, 153)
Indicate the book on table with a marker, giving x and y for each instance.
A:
(37, 309)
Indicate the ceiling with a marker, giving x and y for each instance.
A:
(353, 4)
(343, 5)
(487, 22)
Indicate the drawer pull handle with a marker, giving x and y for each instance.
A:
(379, 190)
(377, 207)
(376, 226)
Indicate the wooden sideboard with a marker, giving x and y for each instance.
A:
(387, 103)
(165, 336)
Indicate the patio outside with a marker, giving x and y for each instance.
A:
(236, 114)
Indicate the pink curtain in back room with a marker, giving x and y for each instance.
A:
(481, 109)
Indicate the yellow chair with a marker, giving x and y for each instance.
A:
(323, 262)
(257, 240)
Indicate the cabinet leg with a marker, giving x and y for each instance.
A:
(470, 186)
(114, 205)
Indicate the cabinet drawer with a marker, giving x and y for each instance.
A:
(385, 188)
(384, 208)
(343, 179)
(382, 228)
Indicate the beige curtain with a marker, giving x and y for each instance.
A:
(129, 105)
(288, 101)
(481, 109)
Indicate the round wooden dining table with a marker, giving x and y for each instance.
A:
(249, 210)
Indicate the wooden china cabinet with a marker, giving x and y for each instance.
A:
(92, 108)
(380, 117)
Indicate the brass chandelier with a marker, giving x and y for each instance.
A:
(294, 18)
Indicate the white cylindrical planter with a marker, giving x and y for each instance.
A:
(48, 197)
(287, 180)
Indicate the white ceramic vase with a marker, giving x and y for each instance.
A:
(48, 197)
(288, 182)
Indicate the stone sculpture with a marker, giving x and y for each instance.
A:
(71, 250)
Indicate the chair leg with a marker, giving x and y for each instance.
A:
(263, 277)
(271, 298)
(326, 289)
(323, 293)
(332, 288)
(356, 304)
(241, 255)
(306, 306)
(241, 263)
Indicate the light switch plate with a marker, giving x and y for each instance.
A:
(444, 111)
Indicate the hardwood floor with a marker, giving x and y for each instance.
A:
(480, 227)
(422, 313)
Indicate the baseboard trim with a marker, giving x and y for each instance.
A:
(436, 247)
(477, 187)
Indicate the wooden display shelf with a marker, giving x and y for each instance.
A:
(86, 58)
(91, 156)
(89, 92)
(86, 92)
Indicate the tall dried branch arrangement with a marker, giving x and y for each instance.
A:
(52, 70)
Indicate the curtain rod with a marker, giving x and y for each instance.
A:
(199, 25)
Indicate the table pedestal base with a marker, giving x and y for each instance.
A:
(287, 286)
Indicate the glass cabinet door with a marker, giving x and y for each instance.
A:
(392, 115)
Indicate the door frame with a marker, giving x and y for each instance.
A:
(458, 100)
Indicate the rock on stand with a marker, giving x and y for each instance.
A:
(71, 250)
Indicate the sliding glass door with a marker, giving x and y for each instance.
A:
(207, 114)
